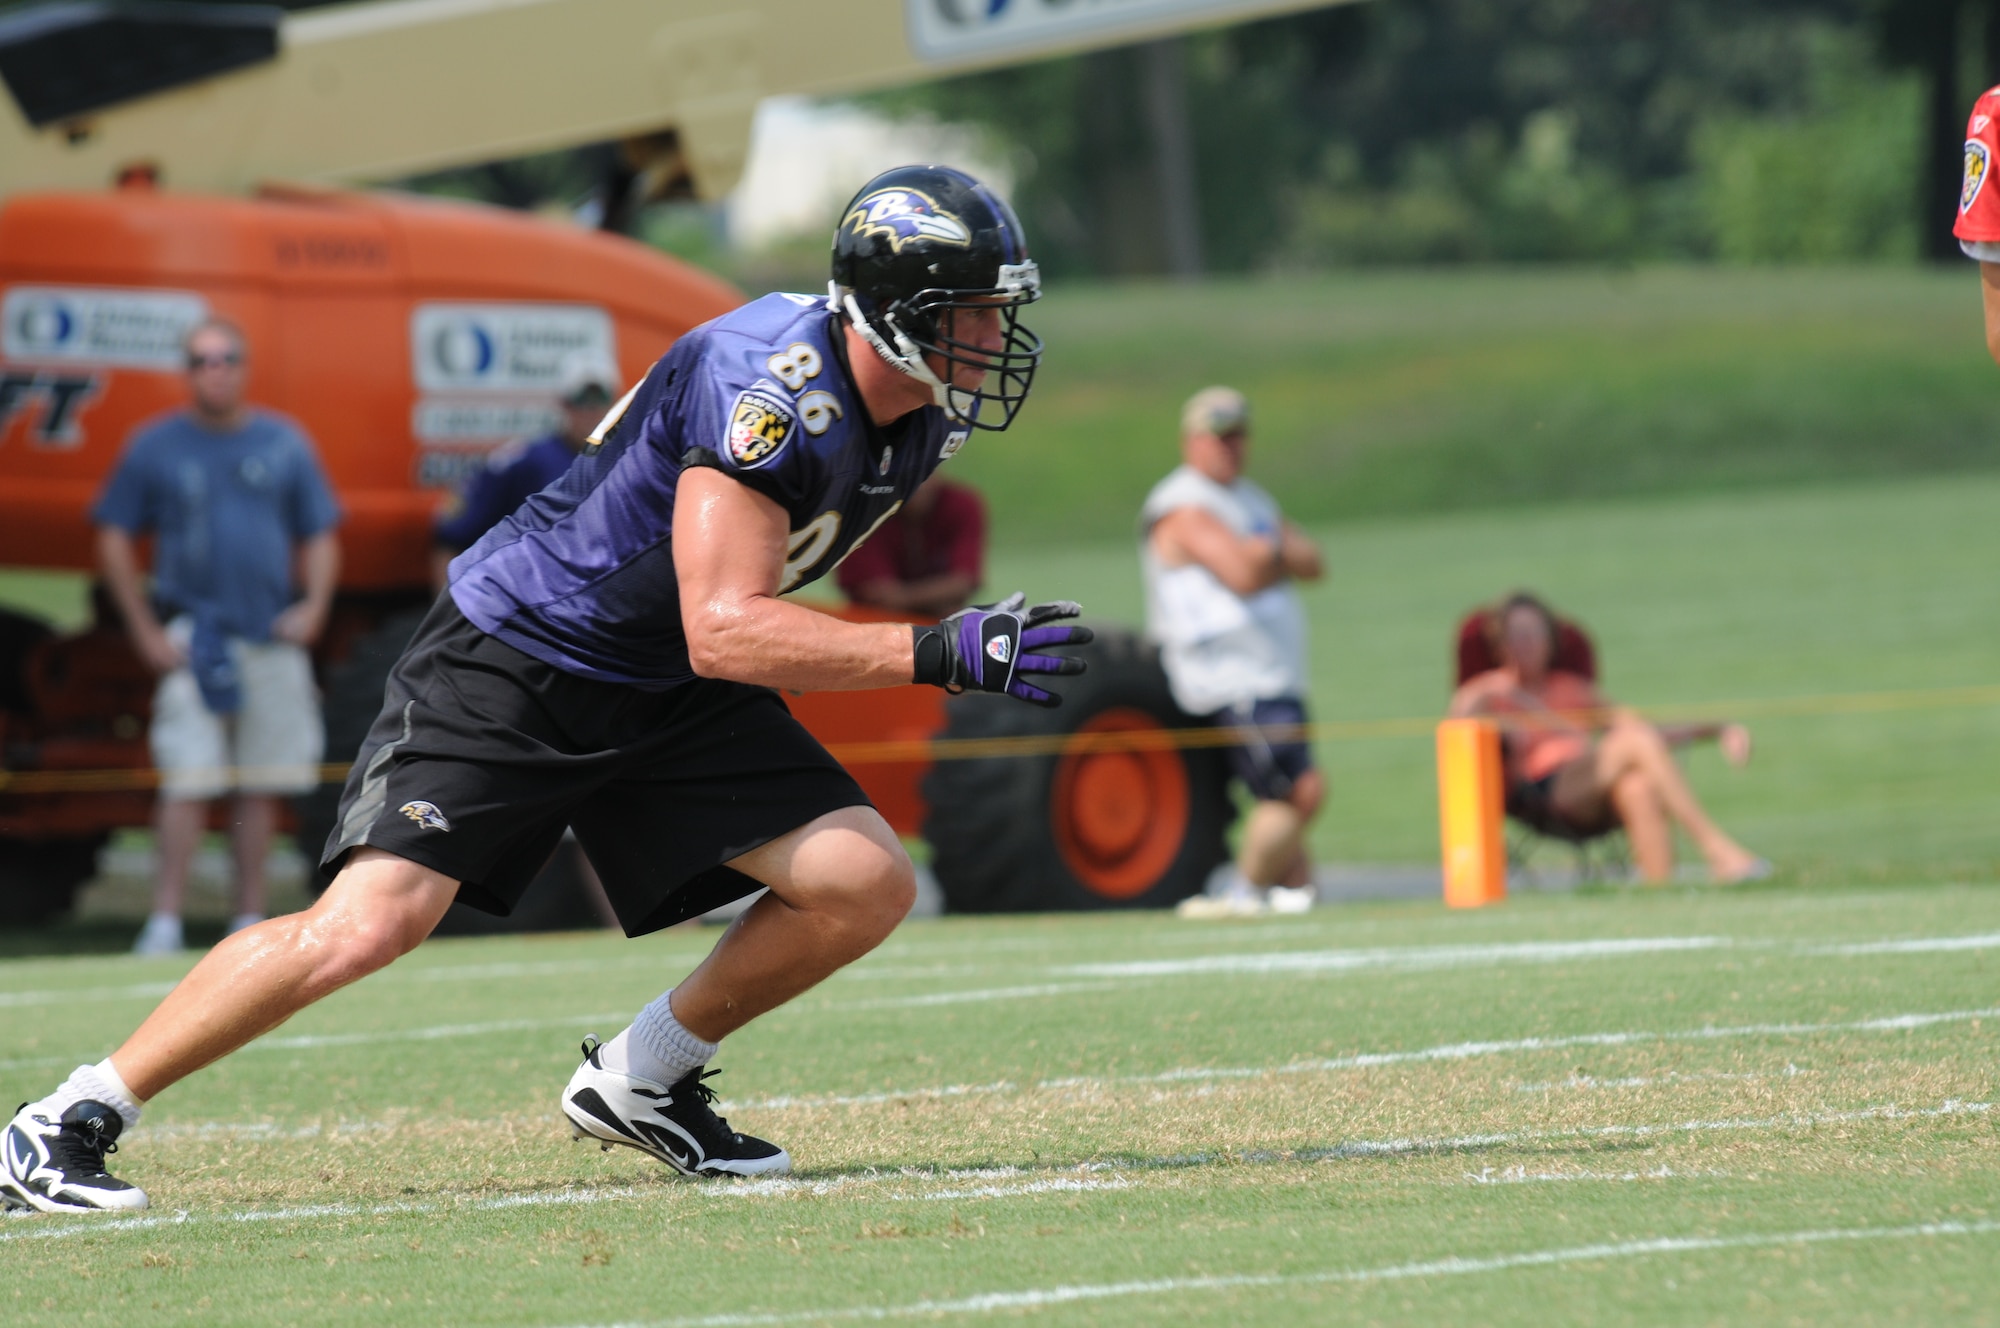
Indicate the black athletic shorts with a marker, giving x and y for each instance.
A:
(1268, 765)
(482, 755)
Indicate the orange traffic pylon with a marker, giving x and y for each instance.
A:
(1471, 808)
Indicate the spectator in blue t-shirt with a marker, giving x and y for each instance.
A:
(519, 470)
(235, 500)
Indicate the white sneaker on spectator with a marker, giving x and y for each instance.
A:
(1240, 900)
(1290, 899)
(160, 936)
(242, 920)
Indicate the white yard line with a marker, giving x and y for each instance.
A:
(815, 1100)
(1192, 1074)
(1522, 1176)
(1458, 1051)
(1787, 1120)
(1920, 945)
(784, 1187)
(134, 991)
(1096, 1176)
(1239, 963)
(954, 997)
(1648, 1081)
(313, 1041)
(261, 1131)
(994, 1302)
(1401, 956)
(90, 1226)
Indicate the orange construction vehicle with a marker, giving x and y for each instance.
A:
(410, 336)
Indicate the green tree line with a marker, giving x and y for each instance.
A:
(1417, 131)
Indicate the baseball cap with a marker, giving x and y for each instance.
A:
(587, 380)
(1215, 410)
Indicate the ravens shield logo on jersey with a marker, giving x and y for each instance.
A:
(759, 425)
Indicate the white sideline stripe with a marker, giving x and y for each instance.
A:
(742, 1189)
(1459, 1051)
(1009, 1191)
(1114, 1180)
(1787, 1120)
(956, 997)
(785, 1186)
(1522, 1176)
(1308, 961)
(132, 992)
(1921, 945)
(257, 1131)
(308, 1041)
(809, 1101)
(1647, 1081)
(94, 1226)
(1364, 1060)
(1453, 1266)
(1412, 956)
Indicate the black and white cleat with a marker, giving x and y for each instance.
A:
(675, 1123)
(57, 1166)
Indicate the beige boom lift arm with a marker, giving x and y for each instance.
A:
(384, 88)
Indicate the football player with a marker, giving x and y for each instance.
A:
(1978, 226)
(607, 659)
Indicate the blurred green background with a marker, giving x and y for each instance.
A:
(1747, 485)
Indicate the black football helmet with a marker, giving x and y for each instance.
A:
(918, 242)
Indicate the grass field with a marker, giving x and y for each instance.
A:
(1762, 1105)
(1743, 600)
(1740, 600)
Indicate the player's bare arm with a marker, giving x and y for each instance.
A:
(729, 548)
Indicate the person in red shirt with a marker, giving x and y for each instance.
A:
(1978, 227)
(927, 559)
(1594, 766)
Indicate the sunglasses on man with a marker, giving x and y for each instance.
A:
(228, 359)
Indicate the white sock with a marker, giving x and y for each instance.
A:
(656, 1047)
(93, 1083)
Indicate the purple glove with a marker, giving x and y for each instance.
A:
(987, 648)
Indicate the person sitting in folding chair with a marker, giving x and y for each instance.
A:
(1577, 766)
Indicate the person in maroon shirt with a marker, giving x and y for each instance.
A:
(926, 559)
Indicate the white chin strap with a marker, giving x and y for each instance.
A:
(906, 357)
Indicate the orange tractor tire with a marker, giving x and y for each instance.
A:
(1095, 825)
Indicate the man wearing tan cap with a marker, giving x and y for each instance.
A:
(1220, 561)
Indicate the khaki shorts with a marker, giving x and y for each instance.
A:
(272, 745)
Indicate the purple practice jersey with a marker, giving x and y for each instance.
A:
(581, 576)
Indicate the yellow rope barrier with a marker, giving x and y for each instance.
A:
(971, 749)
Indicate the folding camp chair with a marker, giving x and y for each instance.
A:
(1601, 851)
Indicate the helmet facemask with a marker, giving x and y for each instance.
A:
(905, 331)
